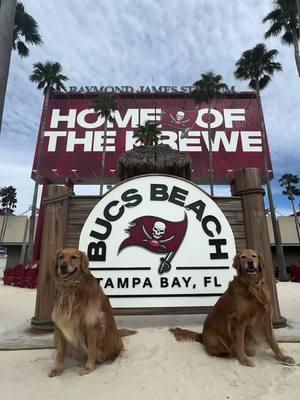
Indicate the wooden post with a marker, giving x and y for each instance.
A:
(54, 238)
(248, 186)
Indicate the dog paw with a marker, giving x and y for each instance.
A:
(288, 360)
(247, 362)
(54, 372)
(86, 370)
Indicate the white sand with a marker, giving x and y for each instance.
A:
(153, 366)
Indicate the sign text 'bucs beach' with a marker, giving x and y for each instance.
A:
(159, 241)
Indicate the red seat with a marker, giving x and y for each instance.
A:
(31, 274)
(11, 275)
(295, 271)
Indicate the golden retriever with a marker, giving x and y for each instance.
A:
(82, 314)
(241, 318)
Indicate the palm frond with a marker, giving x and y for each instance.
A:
(208, 87)
(27, 29)
(105, 105)
(23, 50)
(257, 65)
(48, 75)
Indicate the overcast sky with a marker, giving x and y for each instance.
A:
(137, 42)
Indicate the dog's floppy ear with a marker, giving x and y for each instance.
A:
(84, 261)
(236, 263)
(261, 261)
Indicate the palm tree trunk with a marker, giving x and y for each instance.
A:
(298, 7)
(279, 250)
(210, 158)
(37, 179)
(7, 18)
(103, 157)
(295, 215)
(296, 49)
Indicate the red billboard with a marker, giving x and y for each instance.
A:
(73, 135)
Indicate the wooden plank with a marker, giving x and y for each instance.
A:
(54, 238)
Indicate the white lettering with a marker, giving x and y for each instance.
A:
(216, 118)
(233, 114)
(90, 125)
(171, 139)
(110, 141)
(186, 144)
(251, 141)
(69, 118)
(149, 114)
(53, 135)
(73, 140)
(131, 116)
(229, 143)
(130, 141)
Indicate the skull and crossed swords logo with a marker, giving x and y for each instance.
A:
(158, 231)
(180, 121)
(179, 118)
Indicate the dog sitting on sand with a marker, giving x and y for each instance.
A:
(242, 317)
(82, 314)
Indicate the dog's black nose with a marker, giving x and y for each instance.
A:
(250, 262)
(63, 267)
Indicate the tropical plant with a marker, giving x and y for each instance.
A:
(289, 182)
(208, 88)
(26, 30)
(258, 65)
(104, 106)
(8, 196)
(7, 22)
(284, 20)
(147, 134)
(49, 77)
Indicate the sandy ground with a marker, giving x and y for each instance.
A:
(153, 366)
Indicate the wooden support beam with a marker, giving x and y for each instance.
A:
(54, 238)
(248, 186)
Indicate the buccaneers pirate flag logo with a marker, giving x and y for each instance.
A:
(180, 120)
(157, 235)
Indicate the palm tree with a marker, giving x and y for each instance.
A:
(49, 77)
(288, 181)
(15, 25)
(147, 134)
(7, 18)
(285, 19)
(104, 106)
(9, 202)
(26, 28)
(258, 66)
(207, 88)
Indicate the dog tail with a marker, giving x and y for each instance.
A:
(184, 335)
(126, 332)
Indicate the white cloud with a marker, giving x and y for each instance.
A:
(131, 42)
